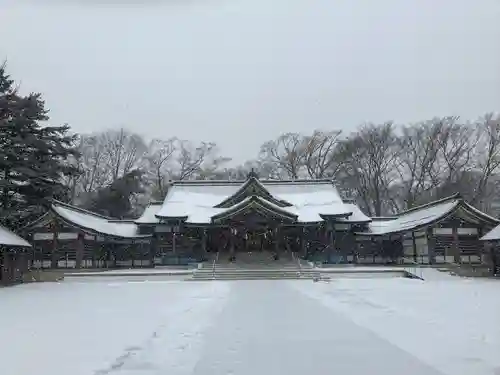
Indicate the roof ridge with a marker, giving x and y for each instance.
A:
(262, 181)
(81, 210)
(430, 204)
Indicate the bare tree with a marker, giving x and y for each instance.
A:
(418, 154)
(286, 153)
(486, 157)
(196, 161)
(124, 151)
(104, 158)
(93, 163)
(160, 156)
(368, 165)
(453, 166)
(320, 158)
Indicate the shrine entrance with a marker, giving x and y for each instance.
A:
(254, 241)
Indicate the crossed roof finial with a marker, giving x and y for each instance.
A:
(253, 174)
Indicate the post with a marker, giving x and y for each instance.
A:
(152, 250)
(414, 245)
(303, 242)
(276, 240)
(455, 245)
(231, 241)
(204, 244)
(431, 246)
(174, 242)
(55, 245)
(80, 247)
(333, 250)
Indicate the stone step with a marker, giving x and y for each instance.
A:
(254, 271)
(252, 277)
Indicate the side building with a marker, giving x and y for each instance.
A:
(14, 256)
(300, 218)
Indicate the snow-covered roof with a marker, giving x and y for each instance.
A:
(492, 235)
(255, 202)
(423, 216)
(308, 200)
(9, 238)
(149, 214)
(357, 216)
(92, 222)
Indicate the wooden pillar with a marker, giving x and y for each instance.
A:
(204, 243)
(455, 244)
(431, 245)
(80, 248)
(55, 245)
(303, 242)
(174, 242)
(414, 245)
(96, 253)
(333, 250)
(276, 239)
(380, 248)
(231, 241)
(152, 250)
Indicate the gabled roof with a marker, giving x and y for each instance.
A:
(251, 186)
(424, 216)
(198, 201)
(94, 223)
(10, 239)
(255, 203)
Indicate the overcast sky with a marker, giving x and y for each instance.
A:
(239, 72)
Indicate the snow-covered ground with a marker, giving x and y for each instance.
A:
(353, 326)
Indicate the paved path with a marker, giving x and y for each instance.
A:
(269, 328)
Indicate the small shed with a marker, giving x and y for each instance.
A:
(13, 259)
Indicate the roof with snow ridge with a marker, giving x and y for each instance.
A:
(426, 215)
(10, 239)
(304, 201)
(94, 223)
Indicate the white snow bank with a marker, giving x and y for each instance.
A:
(82, 329)
(451, 324)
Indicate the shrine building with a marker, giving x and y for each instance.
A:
(232, 220)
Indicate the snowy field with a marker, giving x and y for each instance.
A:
(442, 326)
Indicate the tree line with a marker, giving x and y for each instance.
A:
(386, 167)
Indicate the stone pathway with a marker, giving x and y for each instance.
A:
(270, 328)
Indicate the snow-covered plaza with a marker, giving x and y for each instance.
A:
(442, 325)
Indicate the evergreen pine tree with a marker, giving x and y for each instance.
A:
(32, 157)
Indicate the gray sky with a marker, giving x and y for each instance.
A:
(239, 72)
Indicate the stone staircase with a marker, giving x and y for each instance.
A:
(255, 266)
